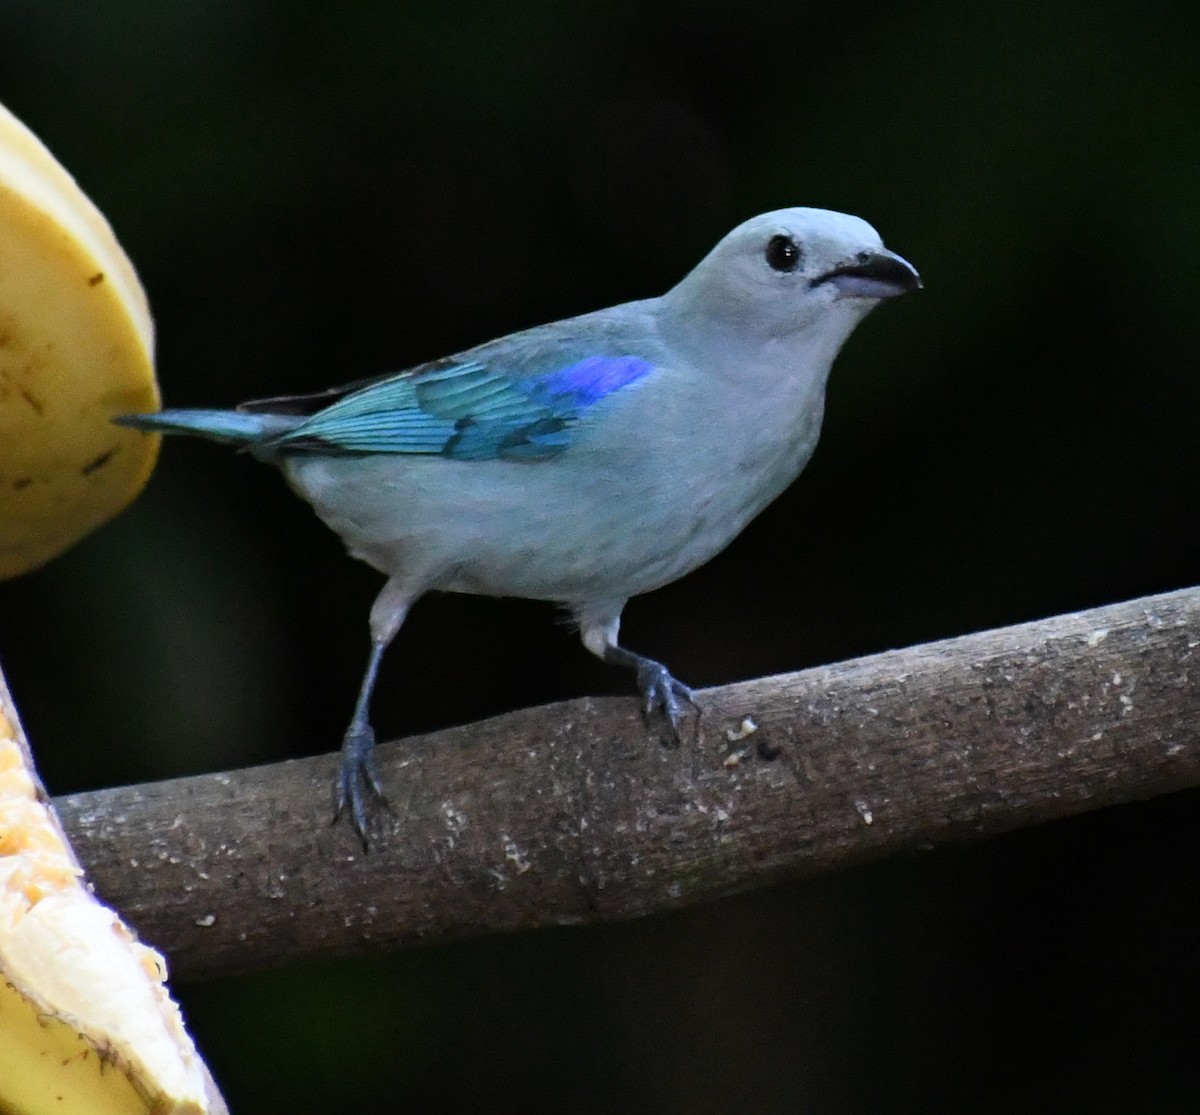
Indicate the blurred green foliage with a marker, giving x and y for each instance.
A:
(317, 192)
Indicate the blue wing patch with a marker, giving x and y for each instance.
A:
(590, 379)
(465, 410)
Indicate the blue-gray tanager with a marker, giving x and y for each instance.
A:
(585, 461)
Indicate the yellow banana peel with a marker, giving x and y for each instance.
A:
(76, 348)
(87, 1026)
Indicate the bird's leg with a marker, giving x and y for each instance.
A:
(658, 688)
(357, 764)
(660, 691)
(357, 769)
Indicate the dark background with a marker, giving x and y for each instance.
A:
(317, 192)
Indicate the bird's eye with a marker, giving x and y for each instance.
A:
(783, 253)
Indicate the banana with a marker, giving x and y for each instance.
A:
(76, 348)
(87, 1026)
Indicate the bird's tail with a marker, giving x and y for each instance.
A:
(234, 427)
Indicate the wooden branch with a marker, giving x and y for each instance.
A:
(572, 813)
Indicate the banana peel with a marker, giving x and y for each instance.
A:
(76, 349)
(87, 1026)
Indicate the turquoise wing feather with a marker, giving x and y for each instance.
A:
(466, 410)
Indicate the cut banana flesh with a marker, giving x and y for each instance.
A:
(87, 1026)
(76, 349)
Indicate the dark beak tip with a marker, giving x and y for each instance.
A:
(892, 269)
(878, 276)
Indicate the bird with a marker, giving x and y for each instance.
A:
(585, 461)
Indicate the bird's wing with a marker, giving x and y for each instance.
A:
(468, 408)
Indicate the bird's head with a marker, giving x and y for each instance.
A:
(791, 271)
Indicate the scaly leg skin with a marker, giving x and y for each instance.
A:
(357, 764)
(357, 770)
(599, 626)
(659, 690)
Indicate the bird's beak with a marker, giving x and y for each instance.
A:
(879, 274)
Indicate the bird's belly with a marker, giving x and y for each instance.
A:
(571, 556)
(540, 530)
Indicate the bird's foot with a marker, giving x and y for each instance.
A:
(357, 772)
(662, 692)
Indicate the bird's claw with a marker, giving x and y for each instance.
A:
(660, 691)
(357, 771)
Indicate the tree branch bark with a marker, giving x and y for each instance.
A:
(572, 813)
